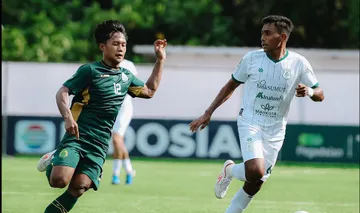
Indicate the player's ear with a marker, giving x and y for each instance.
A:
(284, 37)
(102, 47)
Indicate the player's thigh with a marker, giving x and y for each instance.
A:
(271, 152)
(91, 166)
(251, 142)
(122, 122)
(62, 166)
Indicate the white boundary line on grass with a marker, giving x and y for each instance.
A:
(184, 198)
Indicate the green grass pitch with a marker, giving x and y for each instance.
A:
(170, 186)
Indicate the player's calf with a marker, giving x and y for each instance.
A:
(79, 185)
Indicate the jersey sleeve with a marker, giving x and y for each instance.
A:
(135, 87)
(80, 80)
(241, 74)
(307, 76)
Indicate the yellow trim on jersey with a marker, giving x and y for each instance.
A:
(136, 91)
(86, 96)
(77, 106)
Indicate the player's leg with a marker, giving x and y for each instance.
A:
(121, 154)
(79, 184)
(117, 158)
(254, 169)
(130, 172)
(251, 170)
(252, 151)
(62, 167)
(59, 174)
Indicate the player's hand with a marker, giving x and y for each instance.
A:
(72, 127)
(301, 90)
(159, 48)
(201, 122)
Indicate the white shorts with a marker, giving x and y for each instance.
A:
(124, 116)
(257, 143)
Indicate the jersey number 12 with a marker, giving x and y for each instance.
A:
(117, 88)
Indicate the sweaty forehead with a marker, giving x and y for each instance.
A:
(118, 36)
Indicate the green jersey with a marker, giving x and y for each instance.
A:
(99, 93)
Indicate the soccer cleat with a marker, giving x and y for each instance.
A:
(45, 161)
(129, 179)
(223, 181)
(115, 180)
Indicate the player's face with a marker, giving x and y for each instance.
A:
(115, 48)
(271, 39)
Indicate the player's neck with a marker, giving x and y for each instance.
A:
(108, 63)
(277, 54)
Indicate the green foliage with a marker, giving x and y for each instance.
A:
(62, 30)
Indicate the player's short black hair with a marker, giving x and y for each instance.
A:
(105, 30)
(282, 23)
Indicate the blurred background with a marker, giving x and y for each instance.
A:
(206, 41)
(44, 42)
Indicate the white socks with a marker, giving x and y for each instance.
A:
(128, 166)
(238, 171)
(239, 202)
(117, 166)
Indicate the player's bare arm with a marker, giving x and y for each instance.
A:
(316, 94)
(153, 82)
(224, 94)
(62, 101)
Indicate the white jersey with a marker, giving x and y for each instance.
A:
(269, 86)
(126, 111)
(131, 67)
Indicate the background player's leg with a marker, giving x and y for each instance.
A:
(127, 163)
(80, 183)
(118, 156)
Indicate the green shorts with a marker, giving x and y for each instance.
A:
(83, 162)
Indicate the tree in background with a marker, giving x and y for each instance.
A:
(61, 30)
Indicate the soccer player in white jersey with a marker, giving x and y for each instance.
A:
(121, 154)
(272, 76)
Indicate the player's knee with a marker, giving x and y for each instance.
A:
(58, 182)
(254, 174)
(125, 154)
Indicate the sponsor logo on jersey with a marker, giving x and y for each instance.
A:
(261, 70)
(104, 76)
(262, 85)
(266, 110)
(267, 107)
(261, 95)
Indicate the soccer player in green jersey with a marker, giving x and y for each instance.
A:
(99, 89)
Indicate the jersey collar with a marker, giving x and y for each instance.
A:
(275, 61)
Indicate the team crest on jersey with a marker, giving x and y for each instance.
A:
(124, 77)
(64, 153)
(287, 74)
